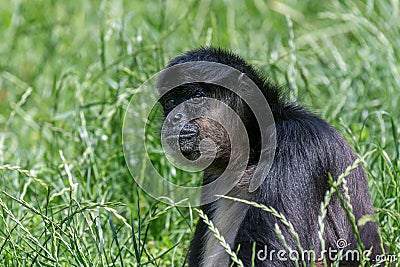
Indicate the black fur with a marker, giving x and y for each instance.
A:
(308, 149)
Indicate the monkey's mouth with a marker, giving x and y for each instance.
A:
(188, 144)
(189, 141)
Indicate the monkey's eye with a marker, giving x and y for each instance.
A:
(197, 97)
(170, 103)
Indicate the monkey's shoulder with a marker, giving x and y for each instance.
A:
(302, 137)
(293, 119)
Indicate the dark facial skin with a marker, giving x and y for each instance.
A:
(191, 133)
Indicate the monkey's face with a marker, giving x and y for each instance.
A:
(194, 122)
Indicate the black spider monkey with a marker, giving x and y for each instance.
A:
(308, 150)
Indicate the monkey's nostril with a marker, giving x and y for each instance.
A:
(177, 118)
(188, 130)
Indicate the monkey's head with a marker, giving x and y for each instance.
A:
(190, 112)
(214, 123)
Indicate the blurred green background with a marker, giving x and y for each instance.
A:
(69, 68)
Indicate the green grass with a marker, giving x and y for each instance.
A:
(69, 68)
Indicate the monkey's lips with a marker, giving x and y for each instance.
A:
(188, 139)
(188, 143)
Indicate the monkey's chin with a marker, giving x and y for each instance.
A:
(189, 148)
(192, 155)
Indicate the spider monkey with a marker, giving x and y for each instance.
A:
(308, 150)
